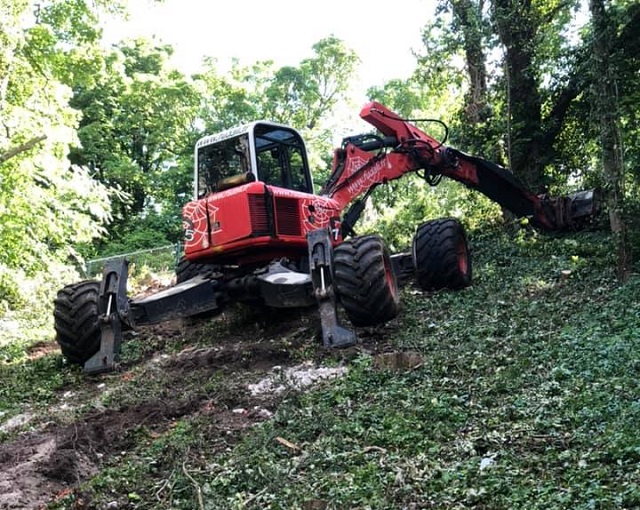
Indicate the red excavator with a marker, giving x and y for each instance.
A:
(256, 233)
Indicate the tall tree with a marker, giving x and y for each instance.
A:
(230, 99)
(137, 126)
(605, 101)
(519, 102)
(46, 205)
(625, 59)
(531, 34)
(468, 16)
(304, 94)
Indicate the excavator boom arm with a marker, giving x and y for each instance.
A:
(364, 162)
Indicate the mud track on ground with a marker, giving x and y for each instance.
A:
(41, 465)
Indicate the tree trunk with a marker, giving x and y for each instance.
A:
(517, 29)
(469, 17)
(606, 106)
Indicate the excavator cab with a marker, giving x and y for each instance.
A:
(260, 151)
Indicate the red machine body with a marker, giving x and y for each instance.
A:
(244, 220)
(255, 223)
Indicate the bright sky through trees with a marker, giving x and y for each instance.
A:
(383, 34)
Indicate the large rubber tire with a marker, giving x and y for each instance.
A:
(365, 282)
(441, 255)
(76, 320)
(185, 270)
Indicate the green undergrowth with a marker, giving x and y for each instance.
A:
(526, 398)
(33, 374)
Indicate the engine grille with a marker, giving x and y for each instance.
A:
(259, 215)
(287, 216)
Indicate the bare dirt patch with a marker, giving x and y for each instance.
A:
(232, 356)
(40, 349)
(37, 467)
(21, 483)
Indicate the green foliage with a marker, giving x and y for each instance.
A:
(26, 313)
(9, 290)
(511, 109)
(302, 96)
(144, 264)
(45, 204)
(525, 398)
(137, 123)
(144, 232)
(31, 384)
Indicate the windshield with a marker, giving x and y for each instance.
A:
(280, 157)
(220, 161)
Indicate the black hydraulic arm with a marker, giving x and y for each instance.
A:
(502, 187)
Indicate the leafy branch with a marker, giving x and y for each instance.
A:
(21, 148)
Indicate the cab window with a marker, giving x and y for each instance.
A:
(220, 161)
(281, 158)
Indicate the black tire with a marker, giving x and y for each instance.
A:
(185, 270)
(76, 320)
(365, 282)
(441, 255)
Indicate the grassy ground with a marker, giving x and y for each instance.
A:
(521, 393)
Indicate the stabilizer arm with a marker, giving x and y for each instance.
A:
(114, 312)
(321, 268)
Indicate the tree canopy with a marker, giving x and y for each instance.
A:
(47, 205)
(96, 143)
